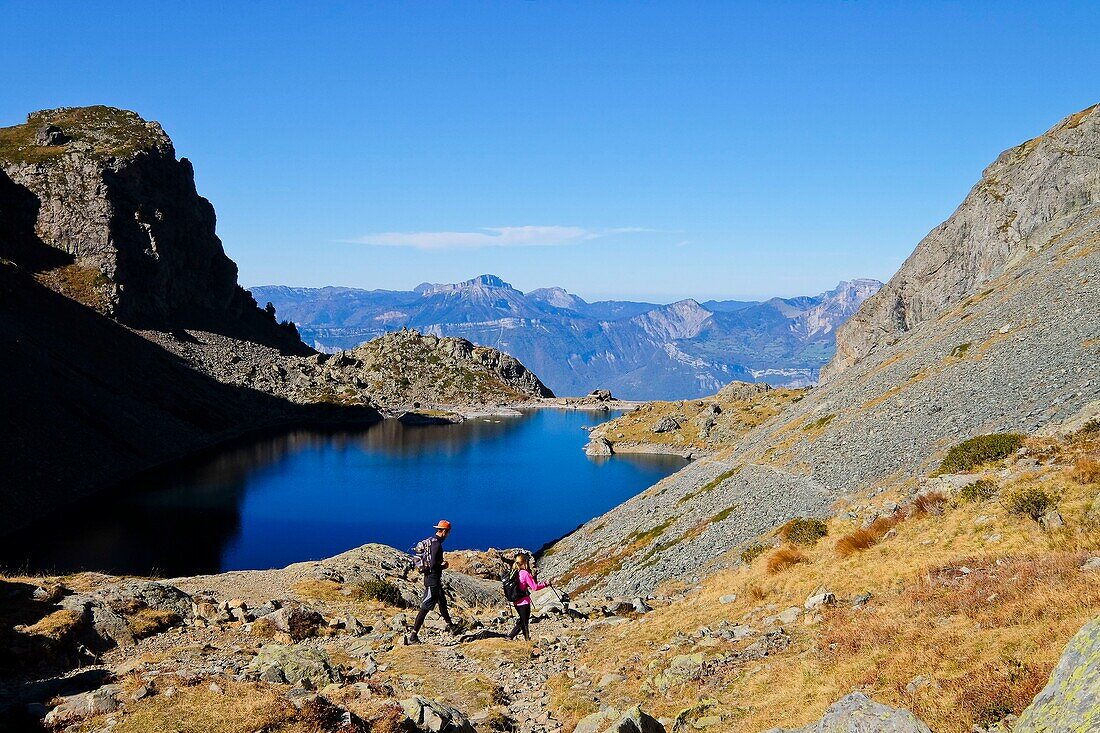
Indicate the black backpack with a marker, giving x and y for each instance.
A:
(513, 591)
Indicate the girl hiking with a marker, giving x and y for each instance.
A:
(527, 583)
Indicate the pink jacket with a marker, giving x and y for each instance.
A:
(527, 583)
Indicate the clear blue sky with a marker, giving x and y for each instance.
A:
(650, 150)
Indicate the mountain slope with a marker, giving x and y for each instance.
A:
(638, 350)
(1017, 354)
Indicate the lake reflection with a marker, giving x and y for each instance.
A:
(310, 494)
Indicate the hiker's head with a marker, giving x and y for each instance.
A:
(521, 562)
(442, 528)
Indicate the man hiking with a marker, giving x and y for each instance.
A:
(430, 561)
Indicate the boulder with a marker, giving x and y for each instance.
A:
(682, 668)
(293, 664)
(1071, 699)
(50, 135)
(635, 721)
(298, 622)
(86, 704)
(598, 447)
(102, 627)
(819, 600)
(434, 716)
(857, 713)
(666, 425)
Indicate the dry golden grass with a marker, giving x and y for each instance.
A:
(1085, 470)
(987, 638)
(865, 538)
(242, 708)
(930, 503)
(55, 626)
(149, 621)
(322, 590)
(784, 558)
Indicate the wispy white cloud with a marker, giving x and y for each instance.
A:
(524, 236)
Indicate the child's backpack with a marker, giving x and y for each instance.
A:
(422, 555)
(513, 590)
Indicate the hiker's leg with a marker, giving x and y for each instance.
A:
(426, 604)
(525, 620)
(442, 598)
(519, 624)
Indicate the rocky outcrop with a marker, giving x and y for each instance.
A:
(104, 187)
(405, 366)
(1071, 699)
(1026, 201)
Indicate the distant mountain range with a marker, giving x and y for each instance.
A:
(637, 350)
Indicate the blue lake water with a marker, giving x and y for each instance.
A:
(501, 481)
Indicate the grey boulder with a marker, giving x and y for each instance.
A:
(1071, 699)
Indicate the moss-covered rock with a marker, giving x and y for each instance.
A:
(1071, 699)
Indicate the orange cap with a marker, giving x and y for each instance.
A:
(443, 524)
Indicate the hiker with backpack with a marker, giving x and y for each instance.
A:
(518, 584)
(428, 559)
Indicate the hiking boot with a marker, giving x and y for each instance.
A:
(453, 629)
(411, 639)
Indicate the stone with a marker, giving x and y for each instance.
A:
(86, 704)
(434, 716)
(598, 447)
(1093, 563)
(787, 616)
(640, 606)
(666, 424)
(857, 713)
(861, 600)
(917, 683)
(141, 693)
(635, 721)
(682, 667)
(820, 600)
(103, 627)
(298, 622)
(1052, 520)
(216, 688)
(609, 679)
(47, 135)
(728, 598)
(1071, 699)
(295, 664)
(596, 722)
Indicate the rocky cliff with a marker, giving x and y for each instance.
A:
(103, 188)
(1027, 200)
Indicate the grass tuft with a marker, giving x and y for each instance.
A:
(785, 558)
(866, 538)
(1085, 470)
(930, 503)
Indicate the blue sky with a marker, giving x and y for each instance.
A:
(646, 150)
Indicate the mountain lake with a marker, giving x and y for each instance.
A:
(309, 494)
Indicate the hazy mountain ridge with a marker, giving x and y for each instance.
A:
(638, 350)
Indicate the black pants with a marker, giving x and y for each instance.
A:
(523, 623)
(433, 595)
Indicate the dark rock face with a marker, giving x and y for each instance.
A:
(104, 187)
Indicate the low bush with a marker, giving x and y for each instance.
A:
(804, 530)
(784, 558)
(382, 591)
(1085, 470)
(978, 450)
(931, 503)
(980, 490)
(1092, 427)
(1030, 501)
(752, 552)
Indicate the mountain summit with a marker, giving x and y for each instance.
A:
(638, 350)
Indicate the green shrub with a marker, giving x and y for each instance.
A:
(804, 530)
(980, 490)
(1030, 501)
(978, 450)
(381, 590)
(1092, 427)
(752, 552)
